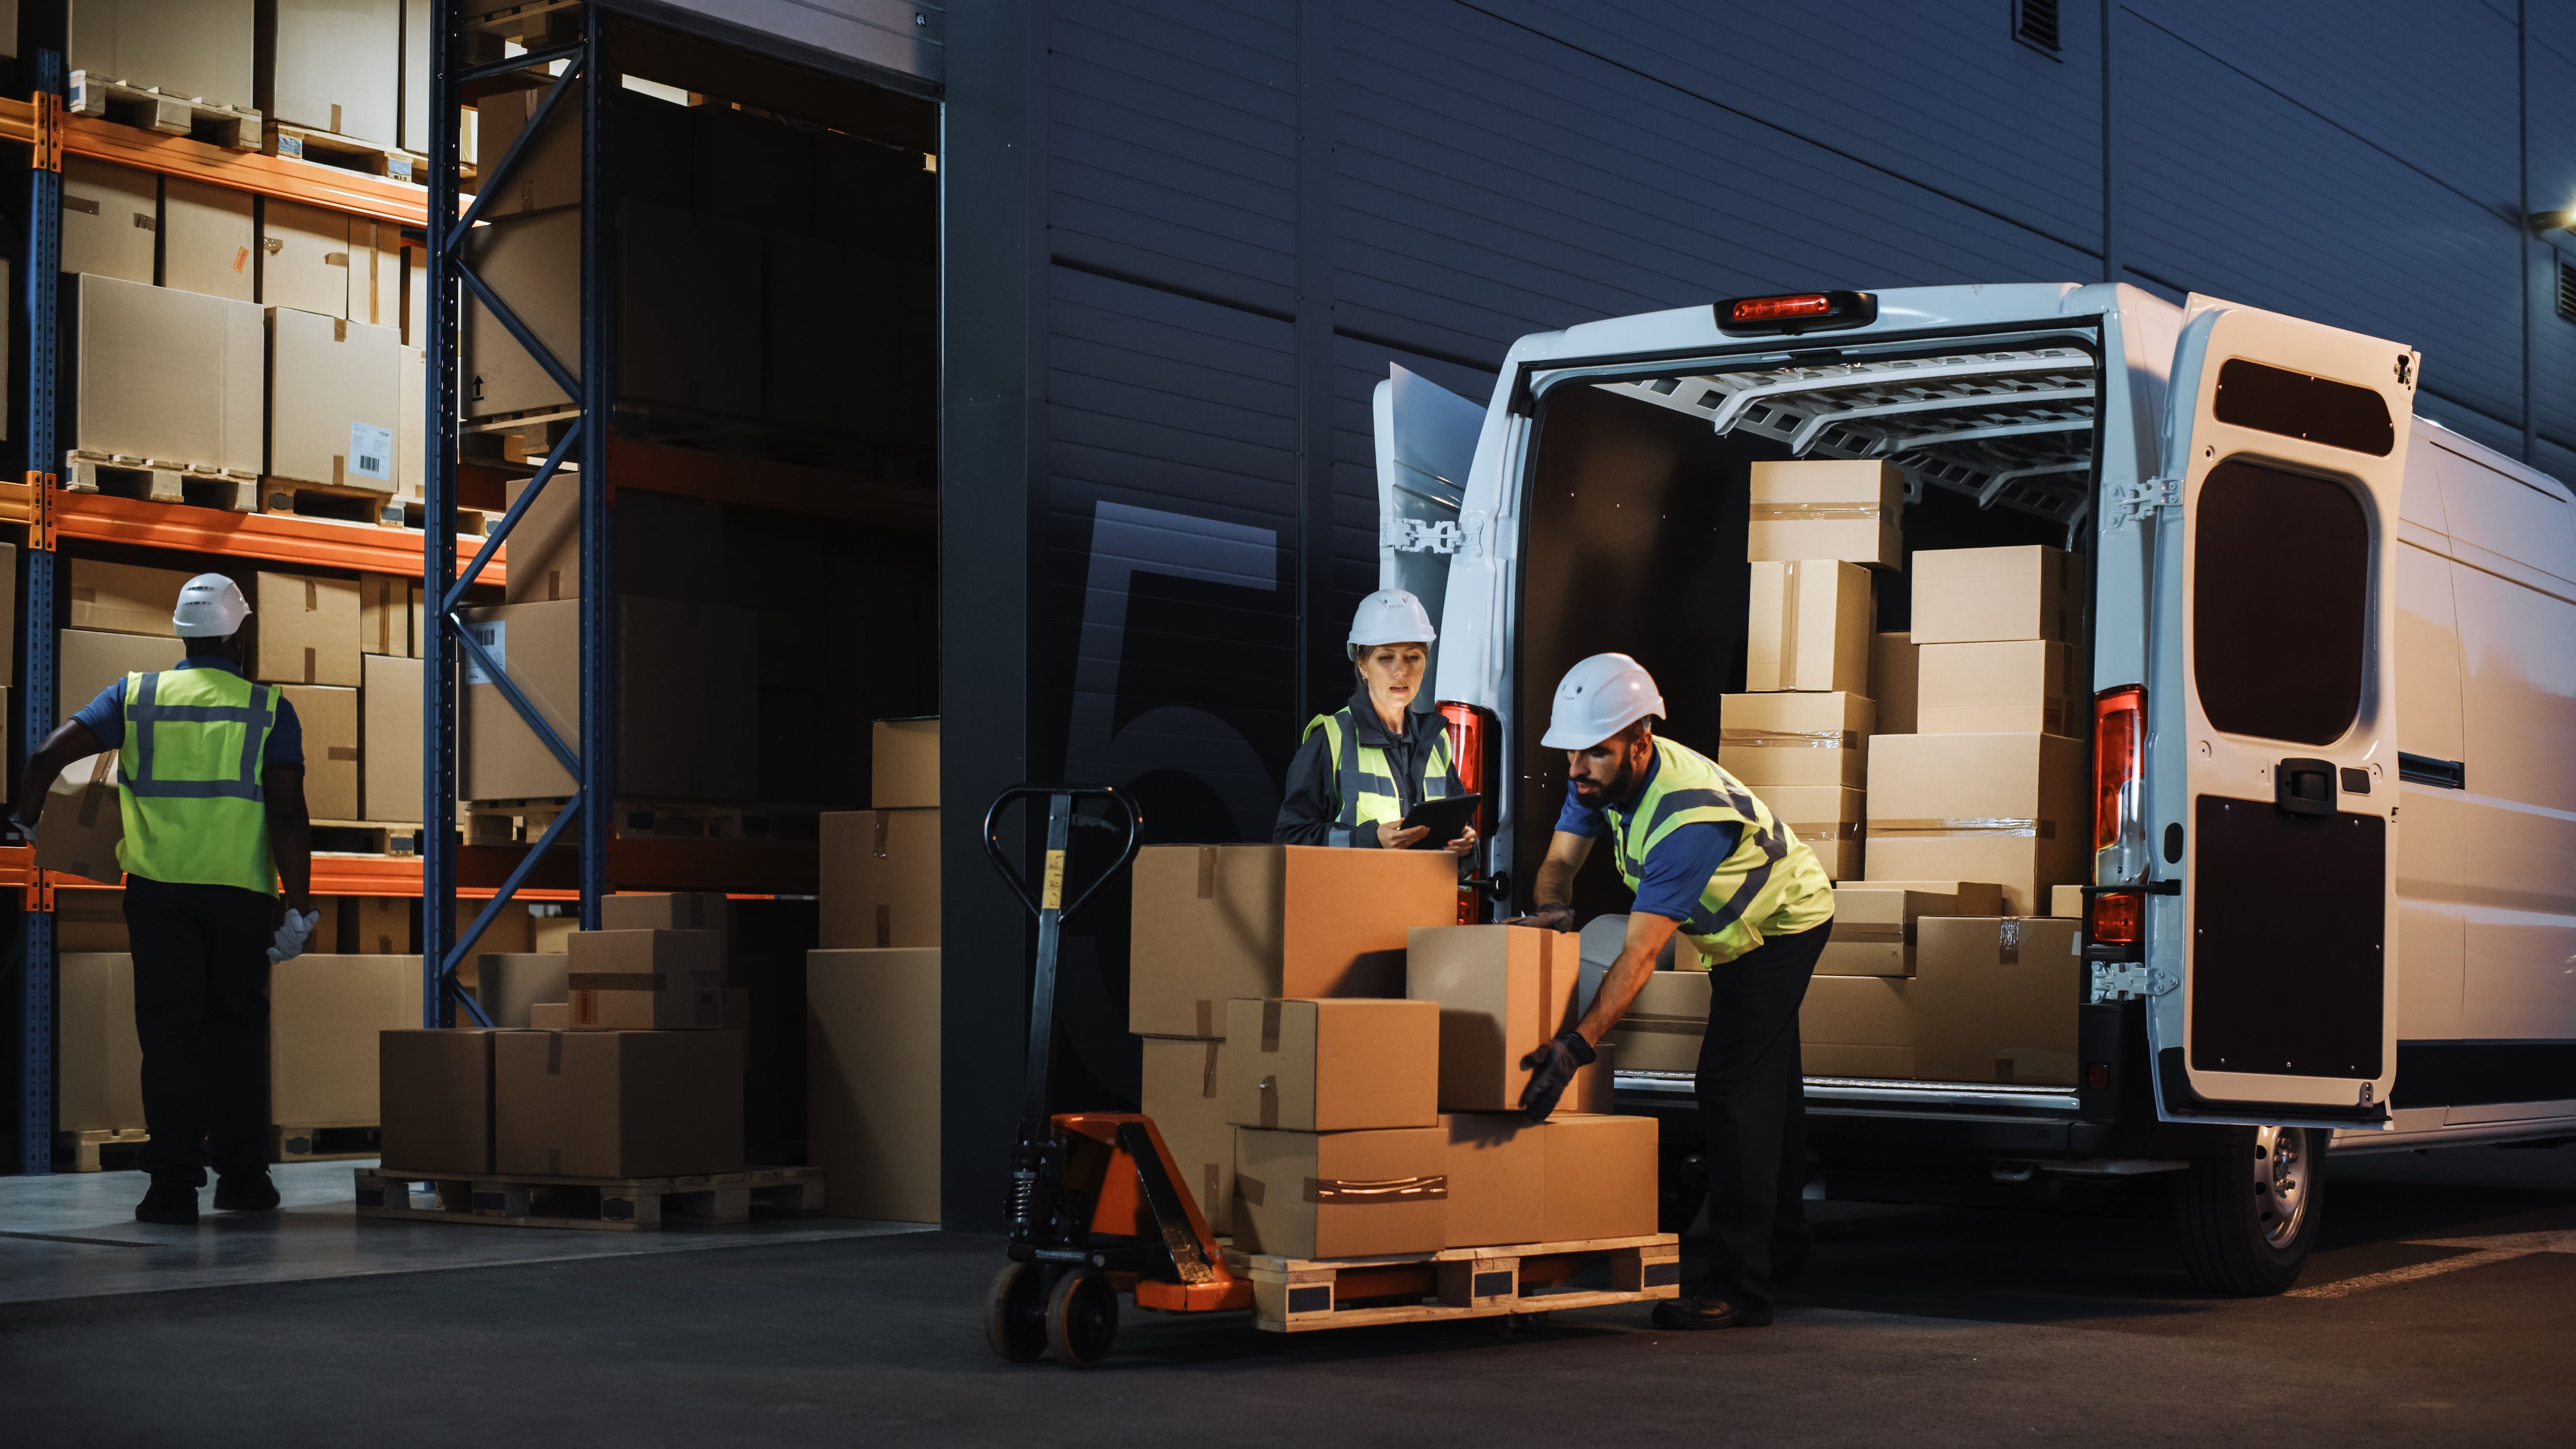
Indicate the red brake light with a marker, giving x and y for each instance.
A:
(1773, 309)
(2119, 759)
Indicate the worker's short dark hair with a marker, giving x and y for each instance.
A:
(1637, 729)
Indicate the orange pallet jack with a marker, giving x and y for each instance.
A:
(1097, 1207)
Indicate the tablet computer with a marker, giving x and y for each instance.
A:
(1447, 817)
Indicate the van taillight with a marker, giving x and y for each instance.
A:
(2119, 764)
(1772, 309)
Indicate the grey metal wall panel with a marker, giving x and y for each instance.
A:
(906, 36)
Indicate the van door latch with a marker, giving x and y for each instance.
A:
(2137, 502)
(1417, 535)
(2123, 980)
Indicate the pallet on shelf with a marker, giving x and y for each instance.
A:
(235, 128)
(508, 822)
(613, 1204)
(322, 1144)
(157, 480)
(530, 20)
(87, 1151)
(411, 513)
(1299, 1295)
(329, 148)
(342, 501)
(387, 838)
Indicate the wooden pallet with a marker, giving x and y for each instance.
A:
(233, 127)
(413, 514)
(323, 1144)
(160, 480)
(513, 822)
(329, 148)
(385, 839)
(529, 20)
(612, 1204)
(87, 1149)
(1299, 1295)
(325, 500)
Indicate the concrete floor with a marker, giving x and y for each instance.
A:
(1919, 1327)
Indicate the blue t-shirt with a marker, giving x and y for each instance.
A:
(1675, 873)
(105, 717)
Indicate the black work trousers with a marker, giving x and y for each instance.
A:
(201, 1010)
(1753, 1106)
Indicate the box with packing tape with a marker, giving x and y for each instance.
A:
(1808, 626)
(1796, 739)
(1874, 927)
(2007, 808)
(1819, 508)
(1184, 1092)
(1995, 999)
(1341, 1194)
(1827, 817)
(880, 879)
(645, 980)
(1503, 991)
(1969, 595)
(1332, 1065)
(2013, 686)
(616, 1104)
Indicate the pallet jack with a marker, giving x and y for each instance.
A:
(1097, 1208)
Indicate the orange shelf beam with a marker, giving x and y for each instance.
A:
(747, 869)
(284, 177)
(278, 537)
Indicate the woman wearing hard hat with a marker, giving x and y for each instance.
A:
(1707, 859)
(1365, 766)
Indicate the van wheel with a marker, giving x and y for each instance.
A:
(2248, 1217)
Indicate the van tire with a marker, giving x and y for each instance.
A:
(2228, 1210)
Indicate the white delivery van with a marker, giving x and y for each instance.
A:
(2334, 865)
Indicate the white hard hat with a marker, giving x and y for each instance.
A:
(1598, 698)
(1390, 616)
(210, 607)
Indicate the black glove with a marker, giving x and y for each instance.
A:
(1546, 916)
(1552, 1068)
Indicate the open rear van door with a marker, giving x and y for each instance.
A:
(2288, 441)
(1426, 441)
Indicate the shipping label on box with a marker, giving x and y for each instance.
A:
(880, 879)
(872, 1083)
(1995, 1000)
(334, 389)
(305, 631)
(1184, 1092)
(1808, 626)
(1837, 509)
(1341, 1194)
(2015, 686)
(1973, 595)
(1497, 1168)
(1332, 1065)
(1893, 681)
(1796, 739)
(2008, 808)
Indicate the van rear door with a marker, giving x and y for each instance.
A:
(2288, 441)
(1426, 441)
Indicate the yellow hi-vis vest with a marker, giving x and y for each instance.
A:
(194, 812)
(1366, 782)
(1772, 885)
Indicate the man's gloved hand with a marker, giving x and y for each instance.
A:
(292, 934)
(1546, 916)
(1552, 1068)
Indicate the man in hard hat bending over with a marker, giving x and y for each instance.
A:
(211, 788)
(1365, 766)
(1710, 860)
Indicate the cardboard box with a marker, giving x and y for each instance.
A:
(124, 599)
(675, 911)
(337, 66)
(420, 631)
(645, 980)
(436, 1091)
(535, 262)
(2020, 686)
(1497, 1168)
(1874, 929)
(91, 922)
(1214, 922)
(1894, 667)
(550, 1016)
(1184, 1092)
(305, 631)
(98, 1059)
(1808, 626)
(549, 171)
(411, 445)
(1857, 1026)
(1666, 1024)
(880, 878)
(1995, 1000)
(616, 1104)
(87, 662)
(84, 822)
(553, 933)
(381, 925)
(1828, 818)
(209, 239)
(1332, 1066)
(111, 218)
(2004, 808)
(1971, 595)
(334, 389)
(872, 1081)
(175, 377)
(2064, 901)
(1601, 1174)
(324, 1016)
(511, 931)
(389, 784)
(1973, 898)
(303, 258)
(1502, 991)
(1341, 1194)
(1795, 739)
(330, 720)
(1817, 508)
(508, 983)
(198, 48)
(904, 764)
(384, 615)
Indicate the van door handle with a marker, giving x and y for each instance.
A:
(2304, 787)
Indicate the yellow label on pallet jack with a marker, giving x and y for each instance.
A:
(1053, 898)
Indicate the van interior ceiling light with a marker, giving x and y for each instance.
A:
(2119, 832)
(1794, 312)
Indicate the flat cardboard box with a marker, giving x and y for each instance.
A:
(880, 879)
(2007, 808)
(645, 980)
(389, 788)
(1874, 929)
(509, 983)
(1818, 508)
(384, 615)
(324, 1016)
(872, 1081)
(2016, 686)
(198, 48)
(617, 1104)
(2064, 901)
(535, 261)
(1894, 669)
(1502, 991)
(335, 388)
(1972, 595)
(1497, 1168)
(1184, 1092)
(903, 769)
(1808, 626)
(1795, 739)
(209, 239)
(671, 911)
(1602, 1177)
(411, 447)
(124, 598)
(1828, 818)
(98, 1059)
(330, 720)
(91, 922)
(1666, 1024)
(549, 171)
(84, 822)
(337, 65)
(111, 216)
(170, 376)
(1995, 1000)
(305, 631)
(1857, 1026)
(436, 1089)
(550, 1016)
(1337, 1065)
(87, 661)
(1214, 922)
(1341, 1194)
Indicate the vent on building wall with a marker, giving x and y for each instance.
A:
(2035, 23)
(2566, 291)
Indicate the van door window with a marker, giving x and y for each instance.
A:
(2280, 603)
(2295, 405)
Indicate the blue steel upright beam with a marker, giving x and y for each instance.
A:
(41, 259)
(598, 346)
(438, 522)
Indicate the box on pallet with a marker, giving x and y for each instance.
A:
(1894, 671)
(124, 599)
(209, 235)
(645, 980)
(1341, 1194)
(329, 719)
(1332, 1065)
(335, 388)
(1874, 928)
(1971, 595)
(904, 764)
(98, 1059)
(1795, 739)
(872, 1081)
(2004, 808)
(1857, 1026)
(170, 376)
(111, 214)
(336, 65)
(305, 630)
(389, 706)
(1184, 1092)
(535, 260)
(324, 1015)
(1601, 1177)
(197, 48)
(1497, 1168)
(435, 1087)
(616, 1104)
(1808, 626)
(880, 879)
(1817, 508)
(1666, 1024)
(1995, 1000)
(2013, 686)
(1827, 817)
(304, 254)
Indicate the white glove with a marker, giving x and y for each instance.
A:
(292, 933)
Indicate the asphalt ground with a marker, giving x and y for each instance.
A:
(2441, 1310)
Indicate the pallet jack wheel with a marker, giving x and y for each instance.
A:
(1015, 1313)
(1082, 1318)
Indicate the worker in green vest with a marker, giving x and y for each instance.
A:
(211, 789)
(1363, 768)
(1709, 860)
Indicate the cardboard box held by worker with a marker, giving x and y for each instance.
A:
(1503, 991)
(84, 822)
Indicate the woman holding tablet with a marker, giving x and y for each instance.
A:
(1376, 760)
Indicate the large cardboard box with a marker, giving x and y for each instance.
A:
(330, 720)
(508, 983)
(335, 388)
(384, 615)
(389, 787)
(545, 544)
(1995, 1000)
(124, 599)
(1665, 1025)
(1214, 922)
(1818, 508)
(337, 66)
(1601, 1176)
(880, 878)
(98, 1060)
(1337, 1065)
(378, 925)
(903, 764)
(1808, 626)
(1184, 1092)
(87, 661)
(83, 822)
(2003, 808)
(324, 1016)
(209, 237)
(111, 215)
(91, 922)
(415, 77)
(411, 447)
(305, 631)
(1894, 671)
(1857, 1026)
(166, 375)
(1341, 1194)
(2064, 900)
(616, 1104)
(1502, 992)
(1827, 817)
(1874, 929)
(2013, 687)
(1497, 1169)
(872, 1081)
(549, 171)
(436, 1091)
(707, 911)
(197, 48)
(535, 262)
(645, 980)
(1970, 595)
(303, 258)
(1795, 739)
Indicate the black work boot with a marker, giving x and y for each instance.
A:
(245, 1192)
(1706, 1310)
(172, 1201)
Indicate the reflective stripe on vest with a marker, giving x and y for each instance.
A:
(1365, 782)
(1770, 885)
(190, 794)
